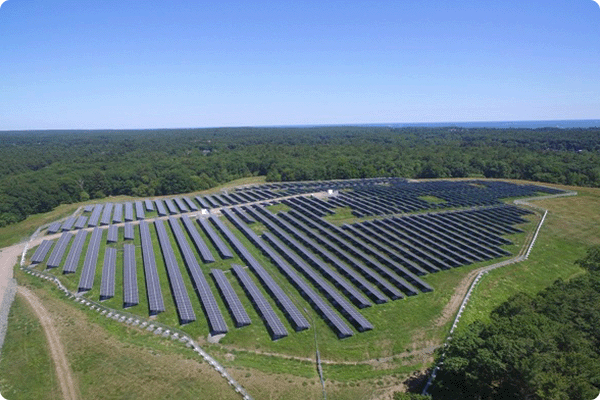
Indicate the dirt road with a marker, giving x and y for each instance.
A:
(63, 372)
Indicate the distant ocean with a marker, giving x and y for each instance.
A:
(565, 124)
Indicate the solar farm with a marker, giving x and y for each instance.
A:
(280, 258)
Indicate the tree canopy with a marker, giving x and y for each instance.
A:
(42, 169)
(541, 347)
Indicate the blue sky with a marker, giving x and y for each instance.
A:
(161, 64)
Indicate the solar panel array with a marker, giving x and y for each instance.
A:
(201, 246)
(221, 247)
(88, 208)
(118, 213)
(170, 206)
(296, 318)
(128, 233)
(213, 314)
(129, 212)
(54, 227)
(356, 297)
(107, 286)
(160, 208)
(75, 252)
(328, 314)
(86, 281)
(106, 214)
(81, 222)
(231, 299)
(68, 224)
(113, 234)
(264, 309)
(130, 285)
(95, 217)
(178, 289)
(148, 204)
(40, 253)
(59, 250)
(139, 210)
(153, 290)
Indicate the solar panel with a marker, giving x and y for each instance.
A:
(41, 252)
(178, 289)
(81, 221)
(75, 252)
(326, 312)
(357, 298)
(342, 305)
(129, 233)
(107, 286)
(203, 203)
(192, 206)
(160, 208)
(201, 246)
(213, 314)
(297, 320)
(155, 299)
(54, 227)
(171, 206)
(153, 291)
(130, 285)
(68, 225)
(95, 217)
(222, 248)
(231, 299)
(106, 214)
(180, 203)
(118, 213)
(59, 250)
(88, 208)
(139, 210)
(149, 205)
(128, 211)
(86, 281)
(274, 324)
(113, 234)
(339, 236)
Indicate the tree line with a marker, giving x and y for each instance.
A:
(535, 347)
(42, 169)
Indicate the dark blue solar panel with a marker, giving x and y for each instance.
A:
(113, 234)
(95, 217)
(130, 285)
(59, 250)
(215, 318)
(237, 310)
(107, 286)
(68, 225)
(40, 253)
(155, 299)
(139, 210)
(54, 227)
(118, 213)
(160, 208)
(274, 324)
(128, 212)
(75, 252)
(222, 248)
(81, 222)
(86, 281)
(106, 214)
(180, 294)
(201, 246)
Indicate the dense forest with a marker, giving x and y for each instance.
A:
(42, 169)
(542, 347)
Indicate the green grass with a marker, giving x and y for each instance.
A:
(401, 327)
(26, 367)
(432, 199)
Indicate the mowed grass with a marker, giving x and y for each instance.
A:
(26, 367)
(569, 229)
(402, 327)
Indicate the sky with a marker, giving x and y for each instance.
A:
(175, 64)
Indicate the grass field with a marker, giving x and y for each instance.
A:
(357, 368)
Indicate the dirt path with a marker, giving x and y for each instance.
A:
(63, 372)
(9, 256)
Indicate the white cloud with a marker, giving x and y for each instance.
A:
(2, 2)
(597, 1)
